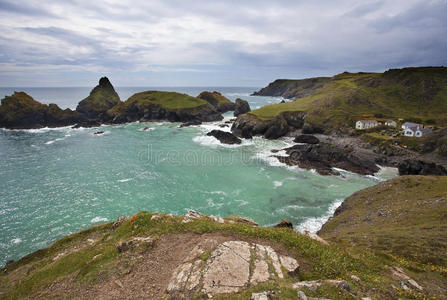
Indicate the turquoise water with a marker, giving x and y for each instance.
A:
(58, 181)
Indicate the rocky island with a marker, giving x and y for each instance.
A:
(103, 106)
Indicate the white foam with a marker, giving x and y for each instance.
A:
(16, 241)
(40, 130)
(125, 180)
(56, 140)
(277, 184)
(314, 224)
(98, 219)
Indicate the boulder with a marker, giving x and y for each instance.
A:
(191, 123)
(312, 129)
(324, 157)
(102, 98)
(242, 107)
(277, 128)
(306, 139)
(419, 167)
(218, 101)
(224, 137)
(118, 222)
(284, 223)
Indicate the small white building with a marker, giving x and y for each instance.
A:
(416, 131)
(366, 124)
(410, 124)
(391, 123)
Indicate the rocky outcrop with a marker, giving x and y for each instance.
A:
(241, 107)
(306, 139)
(224, 137)
(221, 103)
(102, 98)
(21, 111)
(324, 157)
(290, 88)
(419, 167)
(248, 125)
(284, 223)
(228, 268)
(157, 105)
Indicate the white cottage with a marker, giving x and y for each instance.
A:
(391, 123)
(416, 131)
(366, 124)
(410, 124)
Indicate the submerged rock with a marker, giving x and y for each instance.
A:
(242, 107)
(224, 137)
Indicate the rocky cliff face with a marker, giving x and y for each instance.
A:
(241, 107)
(291, 89)
(102, 98)
(248, 125)
(216, 99)
(22, 111)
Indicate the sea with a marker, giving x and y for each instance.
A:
(57, 181)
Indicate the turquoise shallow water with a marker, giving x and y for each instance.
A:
(58, 181)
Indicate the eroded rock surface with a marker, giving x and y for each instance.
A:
(227, 268)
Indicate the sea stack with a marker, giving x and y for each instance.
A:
(102, 98)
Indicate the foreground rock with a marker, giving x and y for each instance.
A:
(224, 137)
(216, 99)
(102, 98)
(241, 107)
(248, 125)
(324, 157)
(21, 111)
(419, 167)
(228, 268)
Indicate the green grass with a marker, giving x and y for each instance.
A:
(413, 92)
(166, 100)
(401, 219)
(319, 261)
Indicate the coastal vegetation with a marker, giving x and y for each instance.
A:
(406, 233)
(419, 93)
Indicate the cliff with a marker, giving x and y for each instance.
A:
(385, 242)
(293, 88)
(334, 104)
(21, 111)
(102, 98)
(157, 105)
(221, 103)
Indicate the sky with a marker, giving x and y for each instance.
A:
(213, 43)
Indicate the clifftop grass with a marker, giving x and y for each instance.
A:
(87, 263)
(402, 219)
(401, 93)
(166, 100)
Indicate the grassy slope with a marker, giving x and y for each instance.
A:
(18, 105)
(35, 271)
(401, 219)
(412, 92)
(166, 100)
(215, 97)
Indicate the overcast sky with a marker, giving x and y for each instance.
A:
(213, 43)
